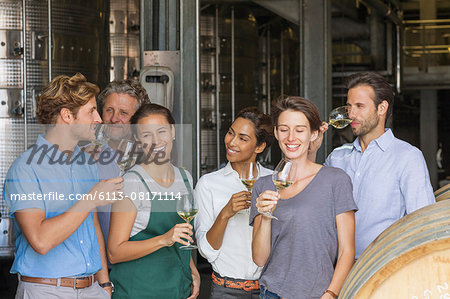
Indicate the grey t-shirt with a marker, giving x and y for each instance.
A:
(304, 239)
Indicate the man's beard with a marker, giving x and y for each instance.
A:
(367, 125)
(125, 132)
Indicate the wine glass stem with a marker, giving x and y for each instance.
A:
(189, 243)
(270, 213)
(278, 195)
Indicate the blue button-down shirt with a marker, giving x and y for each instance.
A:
(107, 169)
(26, 181)
(390, 179)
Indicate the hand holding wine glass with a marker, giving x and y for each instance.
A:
(187, 209)
(248, 176)
(283, 176)
(127, 155)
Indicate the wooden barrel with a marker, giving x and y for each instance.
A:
(410, 259)
(442, 193)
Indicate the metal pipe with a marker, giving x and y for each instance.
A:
(167, 25)
(396, 3)
(398, 62)
(181, 140)
(426, 21)
(347, 74)
(384, 10)
(269, 100)
(427, 27)
(217, 41)
(281, 62)
(181, 60)
(24, 71)
(49, 12)
(444, 47)
(233, 88)
(197, 73)
(141, 32)
(389, 45)
(301, 39)
(155, 25)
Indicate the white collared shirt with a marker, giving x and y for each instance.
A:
(234, 258)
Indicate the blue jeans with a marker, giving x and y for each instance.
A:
(266, 294)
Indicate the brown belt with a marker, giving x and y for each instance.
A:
(247, 285)
(76, 283)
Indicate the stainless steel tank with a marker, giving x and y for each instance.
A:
(248, 57)
(76, 32)
(124, 39)
(228, 71)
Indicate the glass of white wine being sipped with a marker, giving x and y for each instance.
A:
(248, 177)
(187, 209)
(101, 137)
(127, 155)
(283, 176)
(339, 117)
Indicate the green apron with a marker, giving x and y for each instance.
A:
(165, 273)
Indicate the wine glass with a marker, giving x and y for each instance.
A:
(339, 117)
(187, 209)
(248, 177)
(283, 176)
(127, 155)
(101, 137)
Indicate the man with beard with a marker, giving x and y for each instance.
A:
(390, 177)
(119, 101)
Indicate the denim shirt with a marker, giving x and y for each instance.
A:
(34, 182)
(390, 179)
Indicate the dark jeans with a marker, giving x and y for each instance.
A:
(266, 294)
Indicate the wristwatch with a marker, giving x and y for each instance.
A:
(107, 285)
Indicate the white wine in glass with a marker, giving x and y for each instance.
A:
(127, 155)
(248, 177)
(283, 176)
(187, 216)
(100, 135)
(187, 209)
(339, 117)
(280, 185)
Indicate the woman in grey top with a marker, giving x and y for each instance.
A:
(309, 251)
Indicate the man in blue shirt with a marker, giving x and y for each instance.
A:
(52, 190)
(390, 177)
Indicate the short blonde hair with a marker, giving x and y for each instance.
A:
(64, 92)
